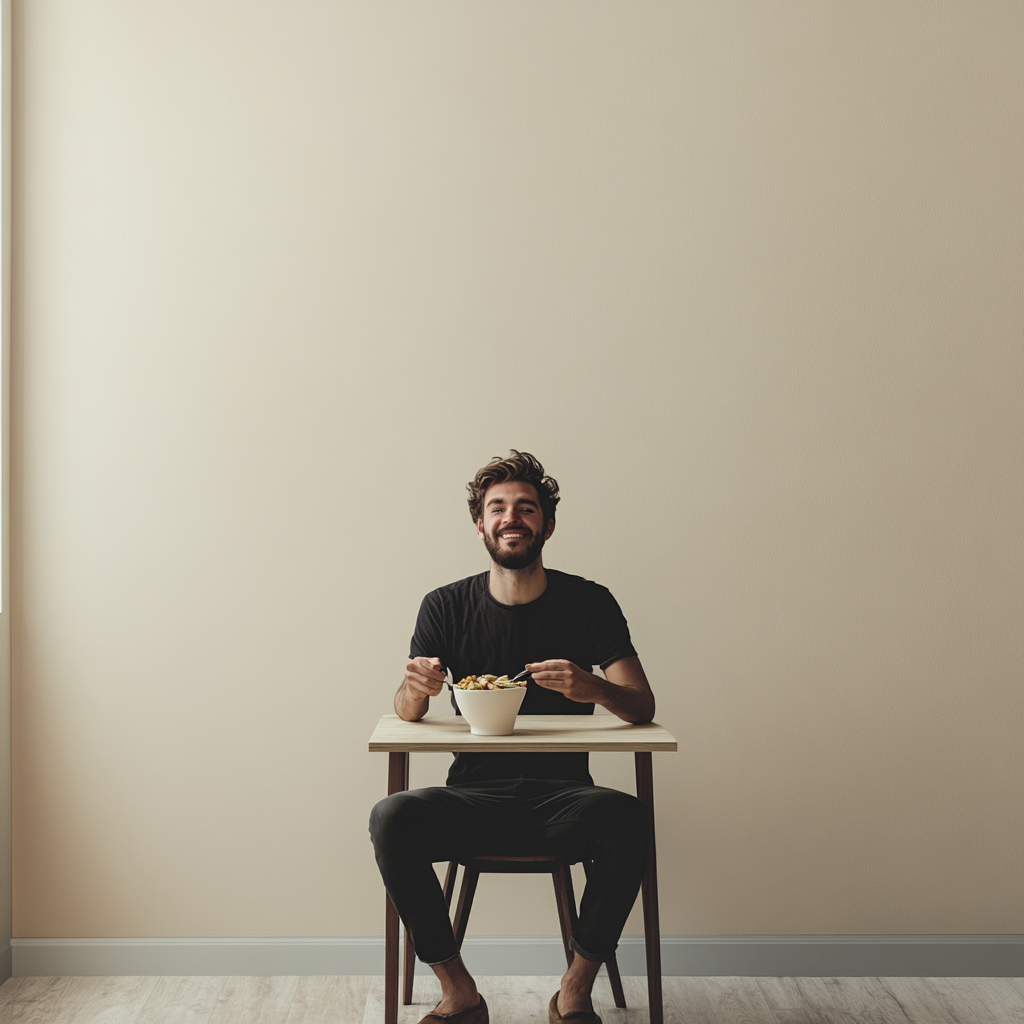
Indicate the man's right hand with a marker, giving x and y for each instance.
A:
(424, 677)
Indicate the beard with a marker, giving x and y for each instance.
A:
(514, 559)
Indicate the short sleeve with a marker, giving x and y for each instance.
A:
(428, 639)
(609, 632)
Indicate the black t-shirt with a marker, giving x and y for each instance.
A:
(473, 634)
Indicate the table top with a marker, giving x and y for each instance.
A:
(541, 733)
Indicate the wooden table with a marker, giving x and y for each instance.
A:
(543, 734)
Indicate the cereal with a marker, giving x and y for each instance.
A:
(488, 682)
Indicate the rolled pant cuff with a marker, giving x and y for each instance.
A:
(597, 958)
(437, 963)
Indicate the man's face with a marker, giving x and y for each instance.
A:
(512, 526)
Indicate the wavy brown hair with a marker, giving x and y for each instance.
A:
(518, 466)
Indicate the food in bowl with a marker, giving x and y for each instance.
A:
(488, 682)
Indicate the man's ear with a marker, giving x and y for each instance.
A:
(480, 527)
(549, 529)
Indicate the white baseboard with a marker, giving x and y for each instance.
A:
(693, 955)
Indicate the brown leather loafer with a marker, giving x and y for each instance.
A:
(474, 1015)
(580, 1016)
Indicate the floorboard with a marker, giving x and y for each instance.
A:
(180, 1001)
(331, 999)
(32, 1000)
(920, 1004)
(863, 1000)
(105, 1000)
(963, 999)
(252, 1000)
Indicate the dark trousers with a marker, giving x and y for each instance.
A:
(413, 829)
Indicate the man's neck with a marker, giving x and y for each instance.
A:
(518, 586)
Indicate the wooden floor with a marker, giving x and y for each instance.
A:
(514, 1000)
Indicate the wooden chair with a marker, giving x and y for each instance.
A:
(565, 901)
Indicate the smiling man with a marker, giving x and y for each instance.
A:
(518, 615)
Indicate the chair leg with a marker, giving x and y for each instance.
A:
(570, 898)
(449, 882)
(616, 983)
(565, 903)
(469, 879)
(408, 969)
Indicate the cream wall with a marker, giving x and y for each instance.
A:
(5, 595)
(746, 277)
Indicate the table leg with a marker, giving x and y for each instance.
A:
(652, 926)
(408, 953)
(398, 780)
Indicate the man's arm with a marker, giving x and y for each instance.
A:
(624, 691)
(424, 678)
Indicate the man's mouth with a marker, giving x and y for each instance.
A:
(514, 546)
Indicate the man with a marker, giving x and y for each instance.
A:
(516, 615)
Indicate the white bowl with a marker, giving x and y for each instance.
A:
(490, 712)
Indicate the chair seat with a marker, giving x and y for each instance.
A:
(496, 864)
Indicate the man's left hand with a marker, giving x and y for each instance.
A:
(576, 683)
